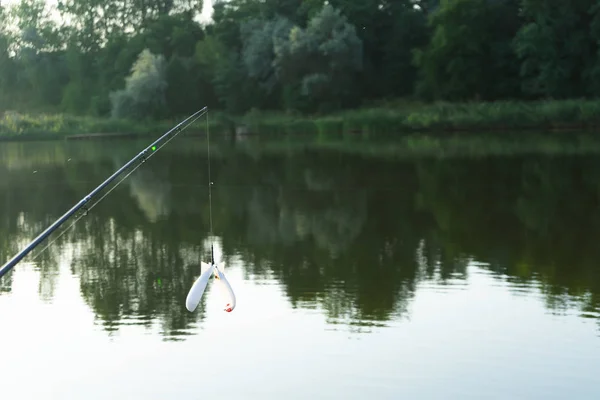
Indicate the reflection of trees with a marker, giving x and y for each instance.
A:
(135, 274)
(350, 236)
(27, 210)
(152, 194)
(134, 266)
(531, 218)
(331, 230)
(136, 269)
(6, 284)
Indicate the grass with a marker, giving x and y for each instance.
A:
(18, 126)
(424, 145)
(439, 117)
(383, 118)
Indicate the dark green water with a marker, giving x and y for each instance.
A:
(356, 276)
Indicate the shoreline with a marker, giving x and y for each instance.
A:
(400, 119)
(439, 133)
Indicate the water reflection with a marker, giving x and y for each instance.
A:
(352, 236)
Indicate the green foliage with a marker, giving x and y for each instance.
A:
(236, 91)
(259, 40)
(7, 71)
(173, 35)
(294, 56)
(557, 48)
(228, 16)
(323, 58)
(407, 31)
(144, 93)
(37, 30)
(396, 120)
(43, 126)
(469, 47)
(440, 117)
(76, 97)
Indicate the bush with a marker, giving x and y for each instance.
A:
(145, 88)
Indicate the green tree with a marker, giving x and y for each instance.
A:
(557, 51)
(396, 74)
(144, 93)
(221, 55)
(37, 68)
(389, 31)
(324, 59)
(187, 89)
(171, 35)
(37, 30)
(228, 16)
(259, 39)
(77, 93)
(470, 51)
(7, 71)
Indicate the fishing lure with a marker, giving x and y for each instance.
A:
(197, 290)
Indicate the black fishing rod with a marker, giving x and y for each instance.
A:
(142, 157)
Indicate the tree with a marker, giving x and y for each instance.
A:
(6, 62)
(557, 51)
(96, 21)
(144, 93)
(396, 73)
(77, 93)
(323, 58)
(228, 16)
(259, 39)
(469, 51)
(236, 91)
(30, 48)
(37, 29)
(171, 35)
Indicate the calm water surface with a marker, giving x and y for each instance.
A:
(356, 276)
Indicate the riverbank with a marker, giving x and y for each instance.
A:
(18, 126)
(574, 115)
(387, 118)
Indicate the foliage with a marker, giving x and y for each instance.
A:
(260, 39)
(321, 60)
(558, 48)
(144, 93)
(396, 120)
(50, 126)
(311, 56)
(469, 47)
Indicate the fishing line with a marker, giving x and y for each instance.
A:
(212, 255)
(209, 179)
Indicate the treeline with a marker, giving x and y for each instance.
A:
(152, 58)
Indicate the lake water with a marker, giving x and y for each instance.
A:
(357, 275)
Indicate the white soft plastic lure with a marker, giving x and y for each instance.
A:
(197, 289)
(226, 290)
(199, 286)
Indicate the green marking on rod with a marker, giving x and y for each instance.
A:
(153, 148)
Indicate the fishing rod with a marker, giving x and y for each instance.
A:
(142, 157)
